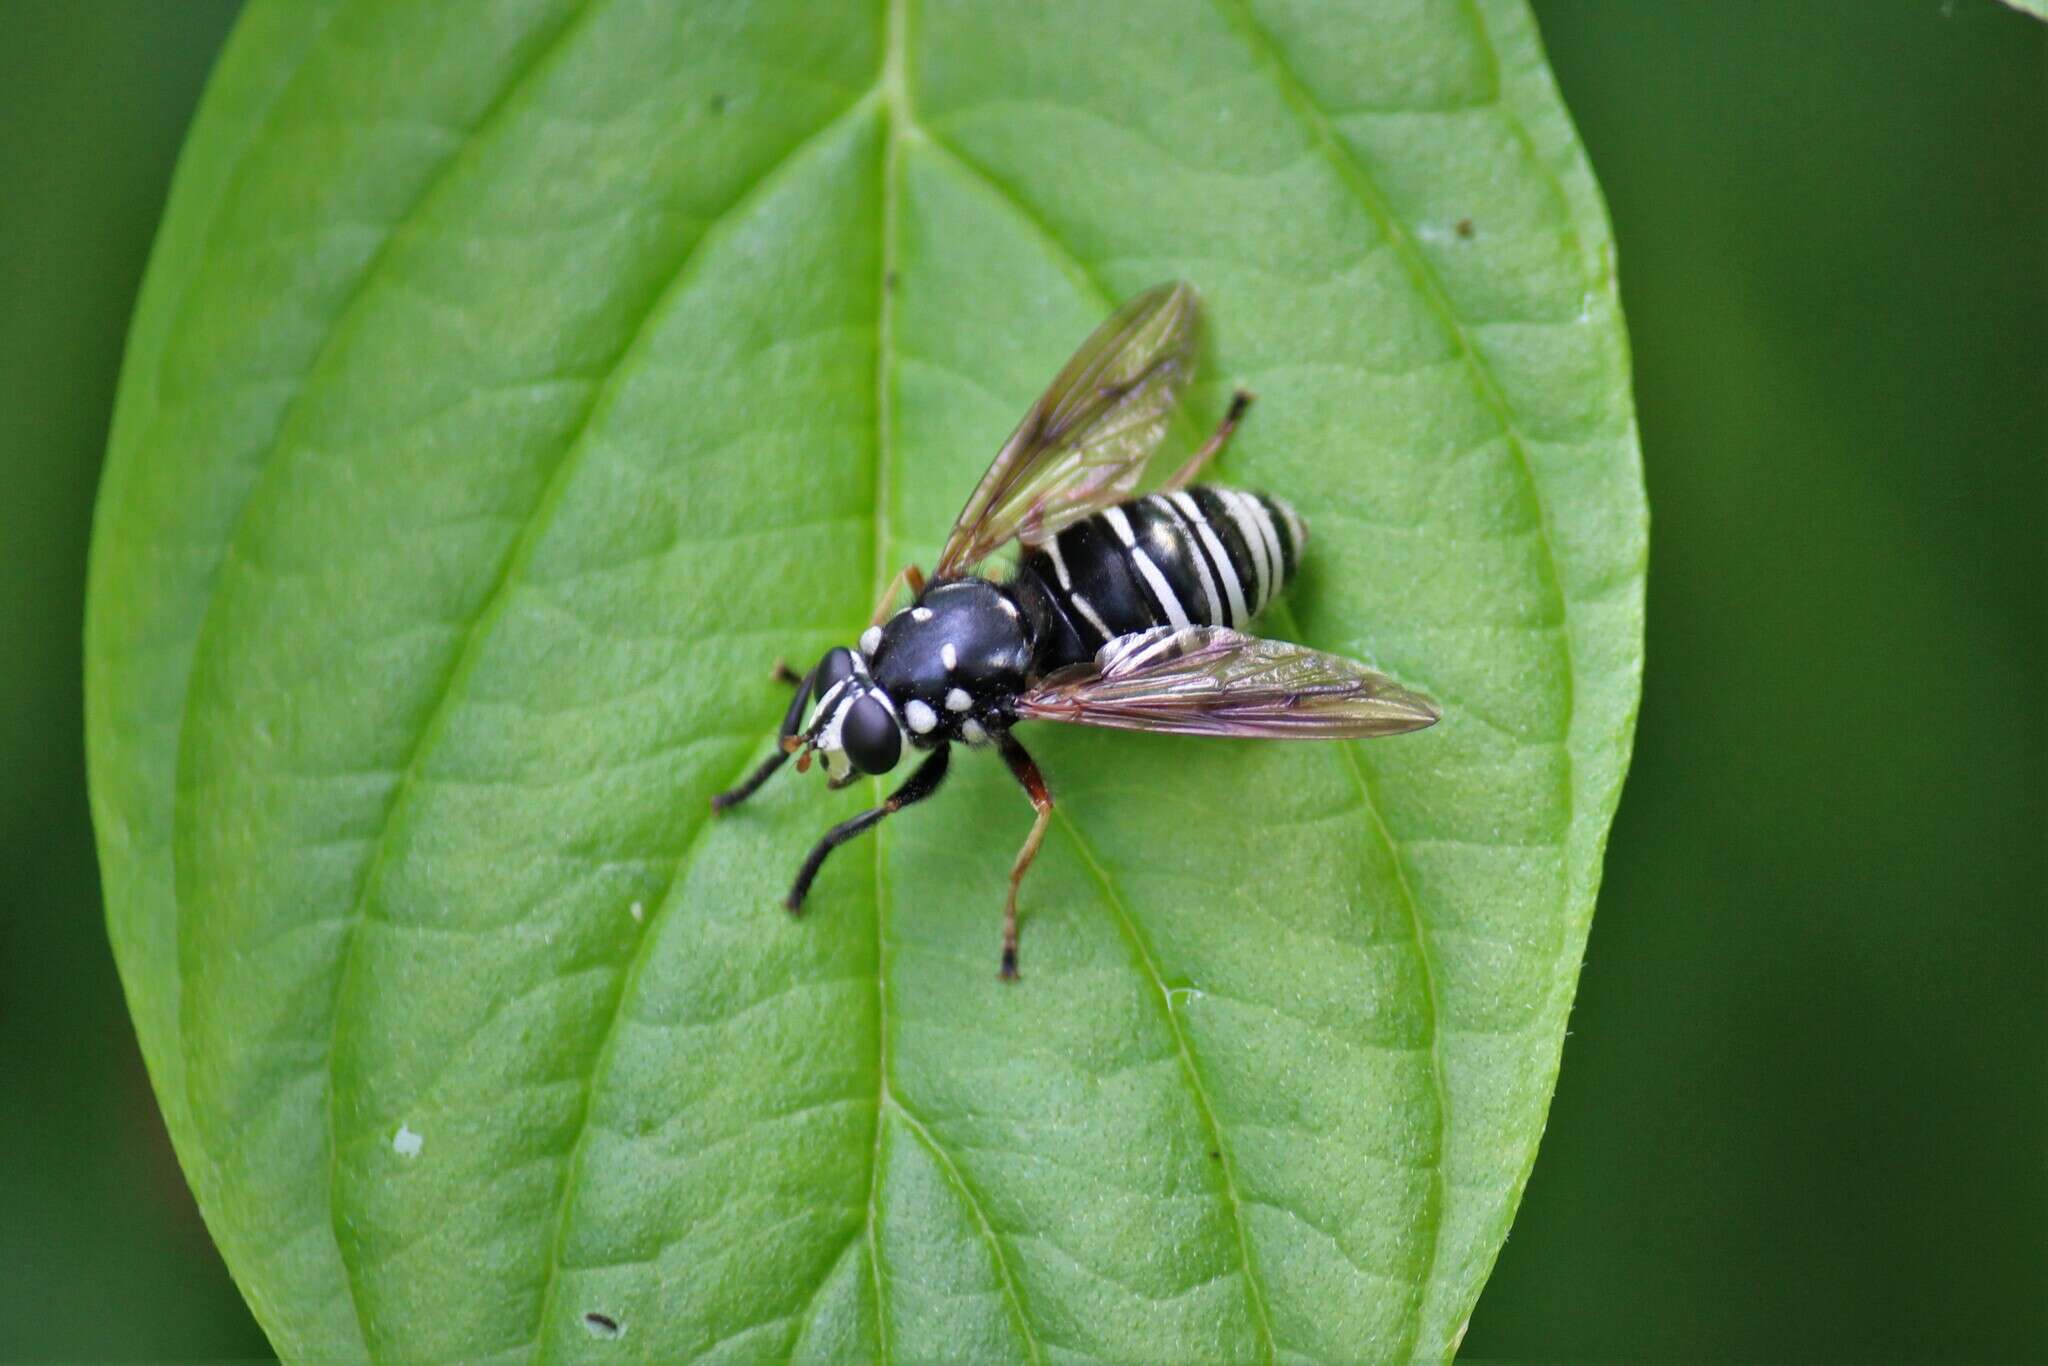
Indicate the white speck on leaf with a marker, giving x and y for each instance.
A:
(639, 910)
(406, 1143)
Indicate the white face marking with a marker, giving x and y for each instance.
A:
(949, 656)
(958, 700)
(833, 706)
(829, 748)
(920, 614)
(922, 718)
(1009, 608)
(972, 733)
(870, 641)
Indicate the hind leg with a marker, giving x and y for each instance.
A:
(1213, 447)
(1026, 770)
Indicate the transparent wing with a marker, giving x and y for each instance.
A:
(1206, 680)
(1085, 442)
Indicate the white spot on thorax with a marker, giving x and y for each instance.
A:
(957, 699)
(870, 641)
(920, 614)
(949, 656)
(921, 717)
(406, 1143)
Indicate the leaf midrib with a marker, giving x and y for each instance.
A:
(894, 93)
(637, 960)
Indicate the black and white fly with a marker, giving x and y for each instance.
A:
(1122, 612)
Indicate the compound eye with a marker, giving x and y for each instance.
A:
(835, 667)
(870, 737)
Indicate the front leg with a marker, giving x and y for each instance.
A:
(1026, 770)
(791, 719)
(919, 785)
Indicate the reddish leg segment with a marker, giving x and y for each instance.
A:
(908, 574)
(1213, 447)
(1025, 768)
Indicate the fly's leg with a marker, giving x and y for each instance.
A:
(908, 574)
(1213, 447)
(1025, 768)
(791, 719)
(782, 673)
(920, 784)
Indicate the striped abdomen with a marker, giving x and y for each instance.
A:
(1196, 557)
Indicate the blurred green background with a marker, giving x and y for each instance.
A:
(1804, 1102)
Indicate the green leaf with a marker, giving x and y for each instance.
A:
(514, 381)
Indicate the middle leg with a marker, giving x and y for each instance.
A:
(791, 719)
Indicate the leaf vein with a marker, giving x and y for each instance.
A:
(1006, 1279)
(516, 81)
(892, 85)
(636, 962)
(1142, 953)
(1360, 182)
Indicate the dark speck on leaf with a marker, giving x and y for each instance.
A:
(1215, 1156)
(601, 1325)
(1465, 228)
(718, 101)
(889, 281)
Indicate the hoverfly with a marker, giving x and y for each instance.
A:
(1123, 611)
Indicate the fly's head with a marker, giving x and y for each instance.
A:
(854, 728)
